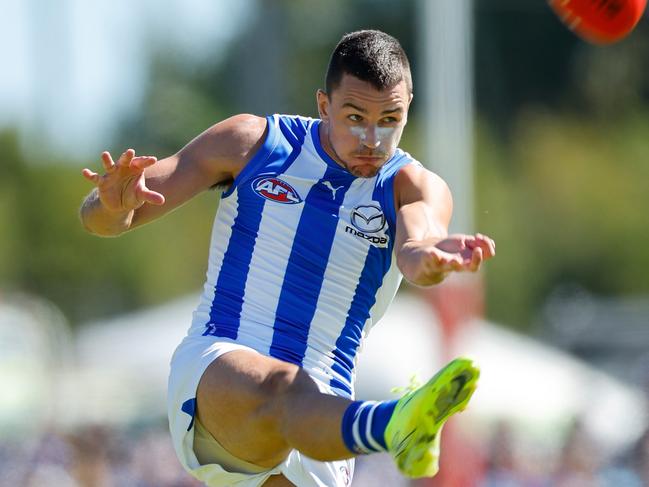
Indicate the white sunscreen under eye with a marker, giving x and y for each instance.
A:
(382, 133)
(360, 132)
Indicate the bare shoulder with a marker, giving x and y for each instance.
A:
(228, 145)
(416, 183)
(241, 133)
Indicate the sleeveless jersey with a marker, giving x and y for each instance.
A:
(301, 261)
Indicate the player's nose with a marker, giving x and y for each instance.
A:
(371, 139)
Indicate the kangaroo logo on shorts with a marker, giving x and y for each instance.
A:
(368, 218)
(346, 476)
(275, 189)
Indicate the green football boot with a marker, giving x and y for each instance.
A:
(414, 430)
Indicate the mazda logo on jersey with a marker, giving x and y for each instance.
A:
(368, 218)
(275, 189)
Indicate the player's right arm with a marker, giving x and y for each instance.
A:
(137, 189)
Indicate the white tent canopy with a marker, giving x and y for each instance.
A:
(34, 348)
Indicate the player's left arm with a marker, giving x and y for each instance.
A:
(424, 250)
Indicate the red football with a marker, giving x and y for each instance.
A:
(599, 21)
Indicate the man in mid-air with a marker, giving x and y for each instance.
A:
(319, 221)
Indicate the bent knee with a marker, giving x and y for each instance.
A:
(277, 382)
(243, 386)
(281, 388)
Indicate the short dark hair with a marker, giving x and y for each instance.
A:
(369, 55)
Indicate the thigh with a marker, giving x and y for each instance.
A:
(278, 481)
(239, 403)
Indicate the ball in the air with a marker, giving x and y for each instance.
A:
(599, 21)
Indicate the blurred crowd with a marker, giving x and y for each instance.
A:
(579, 462)
(97, 456)
(101, 456)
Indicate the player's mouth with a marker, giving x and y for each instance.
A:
(372, 160)
(366, 166)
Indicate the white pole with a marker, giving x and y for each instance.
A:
(446, 33)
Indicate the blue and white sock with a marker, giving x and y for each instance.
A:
(364, 423)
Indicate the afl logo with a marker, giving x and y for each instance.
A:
(275, 189)
(368, 218)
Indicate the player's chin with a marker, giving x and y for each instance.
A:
(365, 170)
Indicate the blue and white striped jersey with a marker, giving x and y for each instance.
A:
(301, 259)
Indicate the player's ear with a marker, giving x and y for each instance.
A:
(323, 104)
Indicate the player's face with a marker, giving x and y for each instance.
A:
(361, 125)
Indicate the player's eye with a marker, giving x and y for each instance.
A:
(355, 117)
(389, 120)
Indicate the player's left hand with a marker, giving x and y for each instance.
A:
(464, 252)
(428, 262)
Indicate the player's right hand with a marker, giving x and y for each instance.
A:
(122, 187)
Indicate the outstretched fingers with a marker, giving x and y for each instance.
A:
(126, 158)
(483, 242)
(142, 162)
(490, 244)
(476, 259)
(93, 177)
(107, 161)
(468, 259)
(447, 262)
(152, 197)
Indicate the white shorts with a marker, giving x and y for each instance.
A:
(188, 363)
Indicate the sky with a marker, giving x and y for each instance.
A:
(72, 69)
